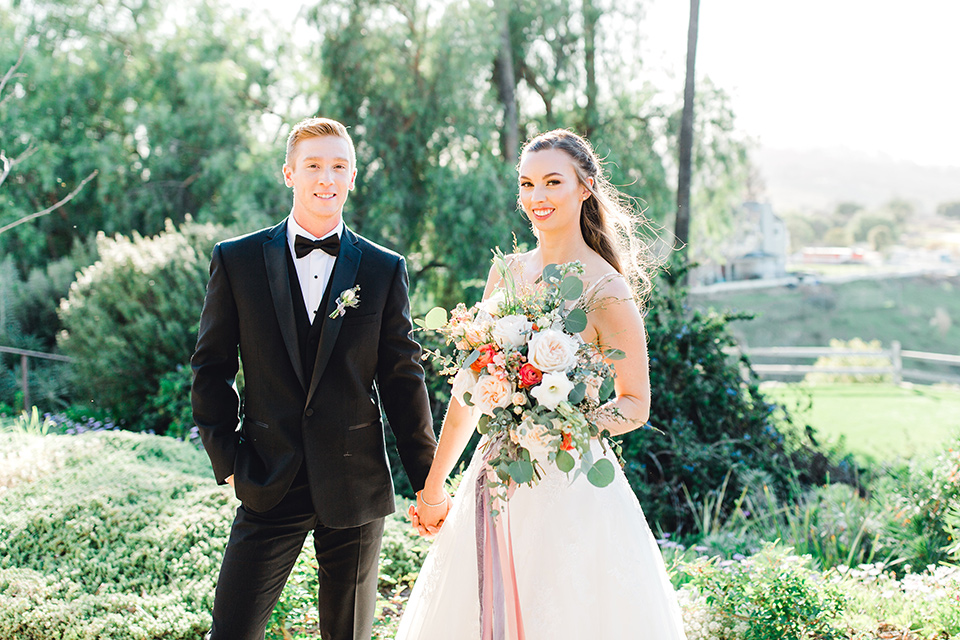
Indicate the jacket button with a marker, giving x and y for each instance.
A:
(308, 412)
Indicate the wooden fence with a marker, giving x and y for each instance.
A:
(895, 355)
(25, 355)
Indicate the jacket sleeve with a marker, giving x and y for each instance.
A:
(216, 405)
(400, 380)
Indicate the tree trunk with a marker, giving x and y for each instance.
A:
(506, 79)
(682, 229)
(591, 16)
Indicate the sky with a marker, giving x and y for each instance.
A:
(879, 77)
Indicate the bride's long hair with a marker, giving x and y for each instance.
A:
(609, 221)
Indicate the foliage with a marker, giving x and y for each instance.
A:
(878, 601)
(770, 596)
(132, 317)
(921, 500)
(713, 420)
(949, 209)
(159, 98)
(170, 406)
(104, 533)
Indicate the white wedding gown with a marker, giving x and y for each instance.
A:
(587, 566)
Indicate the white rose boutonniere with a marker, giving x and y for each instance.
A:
(348, 299)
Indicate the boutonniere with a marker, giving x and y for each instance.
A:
(348, 299)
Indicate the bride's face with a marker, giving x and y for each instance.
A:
(550, 193)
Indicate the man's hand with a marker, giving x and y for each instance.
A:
(428, 519)
(229, 480)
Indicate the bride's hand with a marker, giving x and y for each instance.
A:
(428, 518)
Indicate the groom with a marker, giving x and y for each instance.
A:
(320, 319)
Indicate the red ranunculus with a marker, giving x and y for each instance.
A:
(487, 352)
(566, 444)
(529, 376)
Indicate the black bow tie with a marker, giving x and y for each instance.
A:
(303, 246)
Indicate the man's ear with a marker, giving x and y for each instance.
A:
(287, 171)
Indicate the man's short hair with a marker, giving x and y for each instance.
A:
(315, 128)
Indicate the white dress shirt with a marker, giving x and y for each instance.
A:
(313, 270)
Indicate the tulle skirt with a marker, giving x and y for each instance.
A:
(587, 566)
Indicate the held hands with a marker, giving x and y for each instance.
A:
(427, 518)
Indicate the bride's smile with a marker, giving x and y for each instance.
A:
(550, 193)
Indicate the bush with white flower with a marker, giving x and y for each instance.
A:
(521, 363)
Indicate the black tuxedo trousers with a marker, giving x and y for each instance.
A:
(306, 448)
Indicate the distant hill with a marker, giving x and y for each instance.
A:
(819, 179)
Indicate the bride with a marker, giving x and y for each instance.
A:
(584, 563)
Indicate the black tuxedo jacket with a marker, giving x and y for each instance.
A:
(331, 419)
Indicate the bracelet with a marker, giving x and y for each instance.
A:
(427, 504)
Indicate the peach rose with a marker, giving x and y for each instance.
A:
(552, 350)
(491, 392)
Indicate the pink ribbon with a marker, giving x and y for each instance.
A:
(500, 617)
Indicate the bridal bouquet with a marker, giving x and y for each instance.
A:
(519, 360)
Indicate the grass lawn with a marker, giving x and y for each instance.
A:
(880, 421)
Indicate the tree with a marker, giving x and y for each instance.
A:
(163, 109)
(949, 209)
(682, 228)
(8, 164)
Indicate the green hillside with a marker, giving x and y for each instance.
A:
(923, 313)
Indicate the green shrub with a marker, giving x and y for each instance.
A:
(770, 596)
(132, 317)
(107, 532)
(920, 500)
(713, 421)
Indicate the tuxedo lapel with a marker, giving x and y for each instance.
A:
(275, 258)
(343, 278)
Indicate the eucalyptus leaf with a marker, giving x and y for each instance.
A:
(470, 359)
(468, 399)
(435, 318)
(606, 389)
(521, 471)
(601, 473)
(550, 272)
(575, 322)
(577, 394)
(571, 288)
(565, 461)
(483, 425)
(614, 354)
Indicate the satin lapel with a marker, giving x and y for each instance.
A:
(344, 276)
(275, 257)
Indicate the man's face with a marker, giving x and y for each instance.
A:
(321, 175)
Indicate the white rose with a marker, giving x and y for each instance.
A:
(464, 382)
(492, 304)
(533, 437)
(491, 392)
(552, 350)
(552, 390)
(511, 331)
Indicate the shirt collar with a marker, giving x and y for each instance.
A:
(294, 229)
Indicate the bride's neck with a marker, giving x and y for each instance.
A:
(559, 248)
